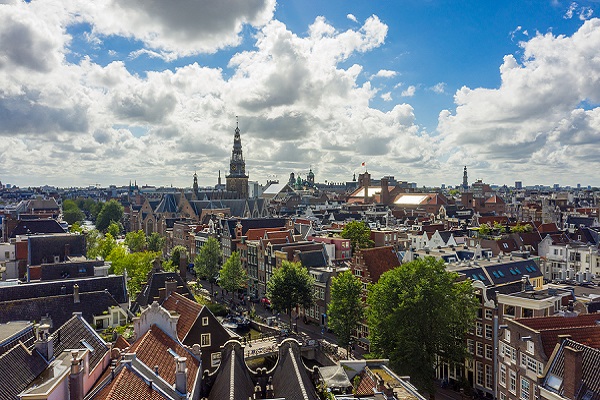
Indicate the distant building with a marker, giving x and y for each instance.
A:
(237, 180)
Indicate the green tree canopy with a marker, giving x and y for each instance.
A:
(418, 315)
(177, 253)
(359, 234)
(156, 242)
(136, 241)
(484, 230)
(137, 266)
(208, 261)
(290, 285)
(345, 309)
(72, 213)
(112, 211)
(100, 246)
(518, 228)
(233, 276)
(115, 229)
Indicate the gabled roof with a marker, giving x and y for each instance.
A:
(71, 334)
(187, 309)
(233, 379)
(153, 350)
(128, 385)
(291, 379)
(548, 228)
(379, 260)
(587, 335)
(18, 368)
(590, 379)
(545, 323)
(156, 281)
(313, 258)
(495, 200)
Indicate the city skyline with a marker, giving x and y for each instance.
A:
(108, 92)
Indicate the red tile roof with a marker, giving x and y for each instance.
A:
(121, 343)
(379, 260)
(153, 350)
(495, 200)
(127, 385)
(545, 323)
(258, 233)
(587, 335)
(548, 228)
(188, 312)
(366, 385)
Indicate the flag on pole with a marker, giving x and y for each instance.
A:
(363, 164)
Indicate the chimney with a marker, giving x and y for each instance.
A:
(524, 281)
(385, 193)
(44, 343)
(76, 293)
(181, 375)
(183, 262)
(76, 377)
(162, 294)
(573, 371)
(170, 287)
(67, 251)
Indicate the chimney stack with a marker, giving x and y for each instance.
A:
(183, 262)
(67, 251)
(170, 287)
(76, 293)
(76, 377)
(385, 193)
(44, 343)
(573, 371)
(181, 375)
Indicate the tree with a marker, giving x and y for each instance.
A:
(233, 276)
(419, 315)
(176, 254)
(345, 308)
(208, 261)
(115, 229)
(156, 242)
(72, 213)
(112, 211)
(498, 227)
(100, 246)
(136, 241)
(518, 228)
(484, 230)
(359, 234)
(290, 285)
(137, 266)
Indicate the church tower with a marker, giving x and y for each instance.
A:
(465, 183)
(237, 180)
(195, 185)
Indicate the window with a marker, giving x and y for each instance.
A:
(513, 382)
(524, 389)
(502, 396)
(204, 321)
(509, 310)
(205, 339)
(488, 331)
(488, 376)
(489, 314)
(507, 335)
(489, 352)
(479, 329)
(470, 346)
(503, 375)
(531, 347)
(480, 349)
(215, 359)
(480, 374)
(526, 312)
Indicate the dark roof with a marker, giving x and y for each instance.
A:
(71, 334)
(580, 221)
(36, 226)
(156, 281)
(45, 248)
(477, 274)
(291, 379)
(18, 368)
(66, 270)
(503, 273)
(59, 308)
(232, 369)
(168, 204)
(14, 332)
(115, 284)
(253, 223)
(314, 258)
(590, 383)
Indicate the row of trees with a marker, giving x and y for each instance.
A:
(418, 314)
(103, 214)
(497, 229)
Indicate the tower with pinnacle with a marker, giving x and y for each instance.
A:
(237, 180)
(465, 182)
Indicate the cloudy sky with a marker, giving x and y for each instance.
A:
(149, 90)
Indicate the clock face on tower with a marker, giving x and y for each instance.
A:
(233, 167)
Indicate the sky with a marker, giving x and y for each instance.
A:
(104, 92)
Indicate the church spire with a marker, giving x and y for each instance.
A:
(465, 183)
(237, 180)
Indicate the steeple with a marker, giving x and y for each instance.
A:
(195, 184)
(465, 183)
(237, 180)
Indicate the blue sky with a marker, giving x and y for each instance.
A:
(111, 91)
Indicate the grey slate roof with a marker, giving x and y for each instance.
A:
(18, 368)
(36, 226)
(590, 382)
(156, 281)
(232, 369)
(314, 258)
(71, 334)
(115, 284)
(59, 308)
(43, 248)
(291, 379)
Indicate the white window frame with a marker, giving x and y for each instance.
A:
(503, 375)
(205, 340)
(513, 382)
(525, 389)
(204, 321)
